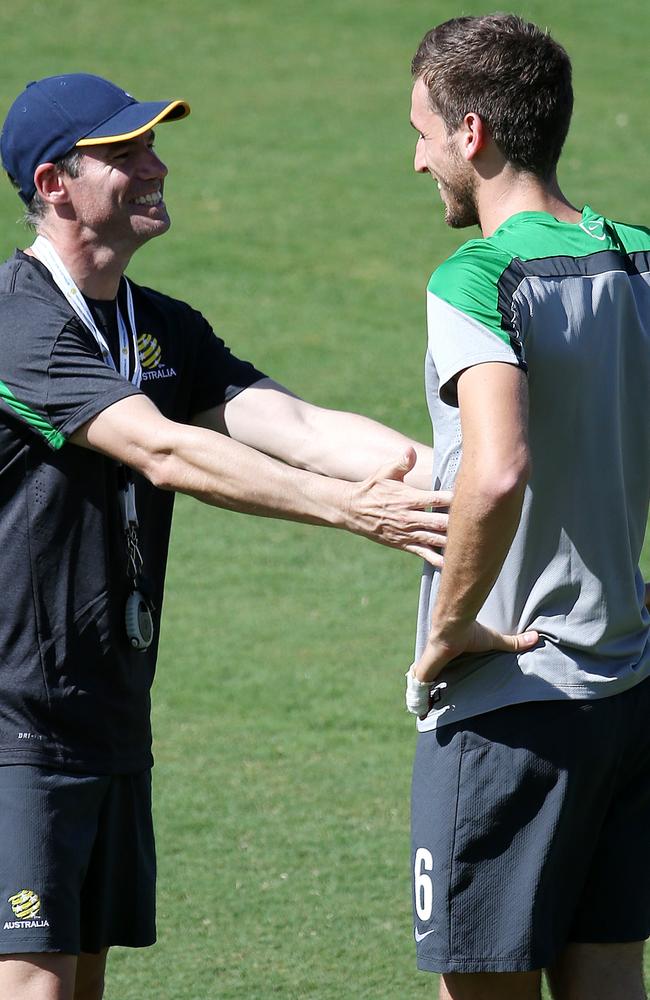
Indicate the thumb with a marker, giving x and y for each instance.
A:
(485, 639)
(519, 643)
(398, 469)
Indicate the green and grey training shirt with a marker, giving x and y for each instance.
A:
(570, 304)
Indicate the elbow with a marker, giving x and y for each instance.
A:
(162, 468)
(505, 481)
(159, 472)
(513, 480)
(155, 460)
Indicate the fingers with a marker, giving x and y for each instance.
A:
(418, 695)
(441, 498)
(427, 545)
(438, 523)
(481, 639)
(394, 514)
(427, 539)
(425, 527)
(386, 488)
(431, 556)
(420, 500)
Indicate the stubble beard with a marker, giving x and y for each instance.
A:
(461, 209)
(461, 213)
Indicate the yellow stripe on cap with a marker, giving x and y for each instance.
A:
(181, 108)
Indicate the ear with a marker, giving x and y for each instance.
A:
(473, 135)
(50, 184)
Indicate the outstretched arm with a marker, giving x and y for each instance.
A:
(225, 473)
(268, 417)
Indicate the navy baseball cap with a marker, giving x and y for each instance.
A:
(55, 114)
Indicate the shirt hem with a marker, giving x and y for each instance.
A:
(76, 765)
(445, 715)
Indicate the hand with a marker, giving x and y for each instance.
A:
(386, 510)
(419, 694)
(474, 638)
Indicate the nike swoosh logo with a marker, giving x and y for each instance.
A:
(592, 230)
(420, 937)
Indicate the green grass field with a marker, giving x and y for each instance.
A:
(303, 234)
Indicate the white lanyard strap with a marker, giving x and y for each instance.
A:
(45, 252)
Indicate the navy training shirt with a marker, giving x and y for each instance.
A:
(73, 694)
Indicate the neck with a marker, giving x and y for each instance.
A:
(95, 269)
(510, 191)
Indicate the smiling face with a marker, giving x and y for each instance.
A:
(118, 195)
(437, 153)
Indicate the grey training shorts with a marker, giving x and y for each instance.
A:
(530, 830)
(77, 861)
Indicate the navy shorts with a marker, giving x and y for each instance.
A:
(77, 861)
(530, 830)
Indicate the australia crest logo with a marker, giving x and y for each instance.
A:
(150, 353)
(26, 907)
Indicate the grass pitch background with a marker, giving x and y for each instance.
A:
(302, 233)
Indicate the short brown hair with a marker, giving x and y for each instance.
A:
(510, 73)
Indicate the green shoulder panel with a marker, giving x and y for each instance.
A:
(53, 437)
(468, 281)
(537, 236)
(635, 239)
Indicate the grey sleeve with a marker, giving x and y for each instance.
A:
(457, 341)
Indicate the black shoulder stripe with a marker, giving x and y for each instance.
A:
(602, 262)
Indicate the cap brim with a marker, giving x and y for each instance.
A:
(128, 124)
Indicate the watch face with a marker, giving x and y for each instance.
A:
(145, 621)
(138, 621)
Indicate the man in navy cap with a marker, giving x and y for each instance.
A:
(113, 397)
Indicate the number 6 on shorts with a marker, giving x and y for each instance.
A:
(423, 886)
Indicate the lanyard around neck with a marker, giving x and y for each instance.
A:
(138, 611)
(45, 252)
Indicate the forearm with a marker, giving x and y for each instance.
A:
(489, 490)
(482, 524)
(226, 473)
(351, 446)
(484, 516)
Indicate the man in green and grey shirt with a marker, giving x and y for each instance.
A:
(531, 795)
